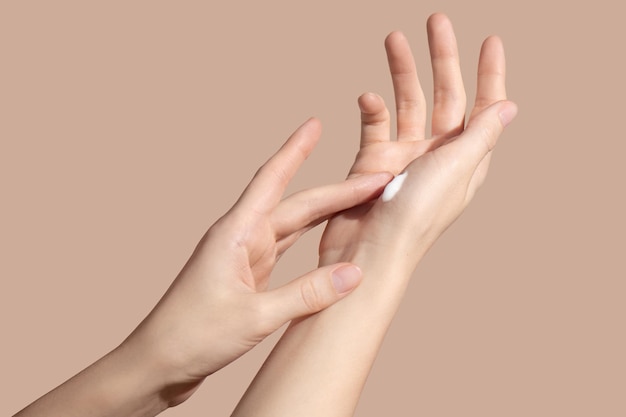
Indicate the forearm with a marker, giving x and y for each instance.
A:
(321, 363)
(115, 385)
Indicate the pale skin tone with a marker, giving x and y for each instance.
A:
(321, 363)
(219, 307)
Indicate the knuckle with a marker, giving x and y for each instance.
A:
(487, 137)
(312, 296)
(275, 171)
(492, 73)
(379, 118)
(482, 102)
(263, 322)
(410, 103)
(450, 94)
(281, 174)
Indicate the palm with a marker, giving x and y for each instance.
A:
(388, 156)
(379, 153)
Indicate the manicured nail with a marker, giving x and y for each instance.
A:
(346, 277)
(508, 113)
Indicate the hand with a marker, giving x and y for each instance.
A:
(218, 307)
(387, 238)
(443, 172)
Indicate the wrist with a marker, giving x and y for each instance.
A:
(135, 383)
(160, 368)
(118, 384)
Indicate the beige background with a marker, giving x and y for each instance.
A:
(127, 128)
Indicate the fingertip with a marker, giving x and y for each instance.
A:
(366, 98)
(383, 178)
(366, 187)
(346, 278)
(387, 175)
(493, 47)
(313, 292)
(370, 103)
(308, 134)
(313, 122)
(437, 19)
(377, 181)
(394, 37)
(507, 112)
(494, 40)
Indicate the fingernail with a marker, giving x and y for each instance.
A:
(346, 277)
(508, 113)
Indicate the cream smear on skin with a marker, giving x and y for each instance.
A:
(394, 186)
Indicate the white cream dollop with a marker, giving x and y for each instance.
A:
(394, 186)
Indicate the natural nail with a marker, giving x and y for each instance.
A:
(346, 277)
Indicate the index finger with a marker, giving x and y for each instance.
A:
(267, 186)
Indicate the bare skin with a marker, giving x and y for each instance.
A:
(218, 307)
(321, 363)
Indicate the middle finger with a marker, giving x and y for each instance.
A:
(450, 100)
(410, 100)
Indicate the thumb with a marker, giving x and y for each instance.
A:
(483, 130)
(312, 292)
